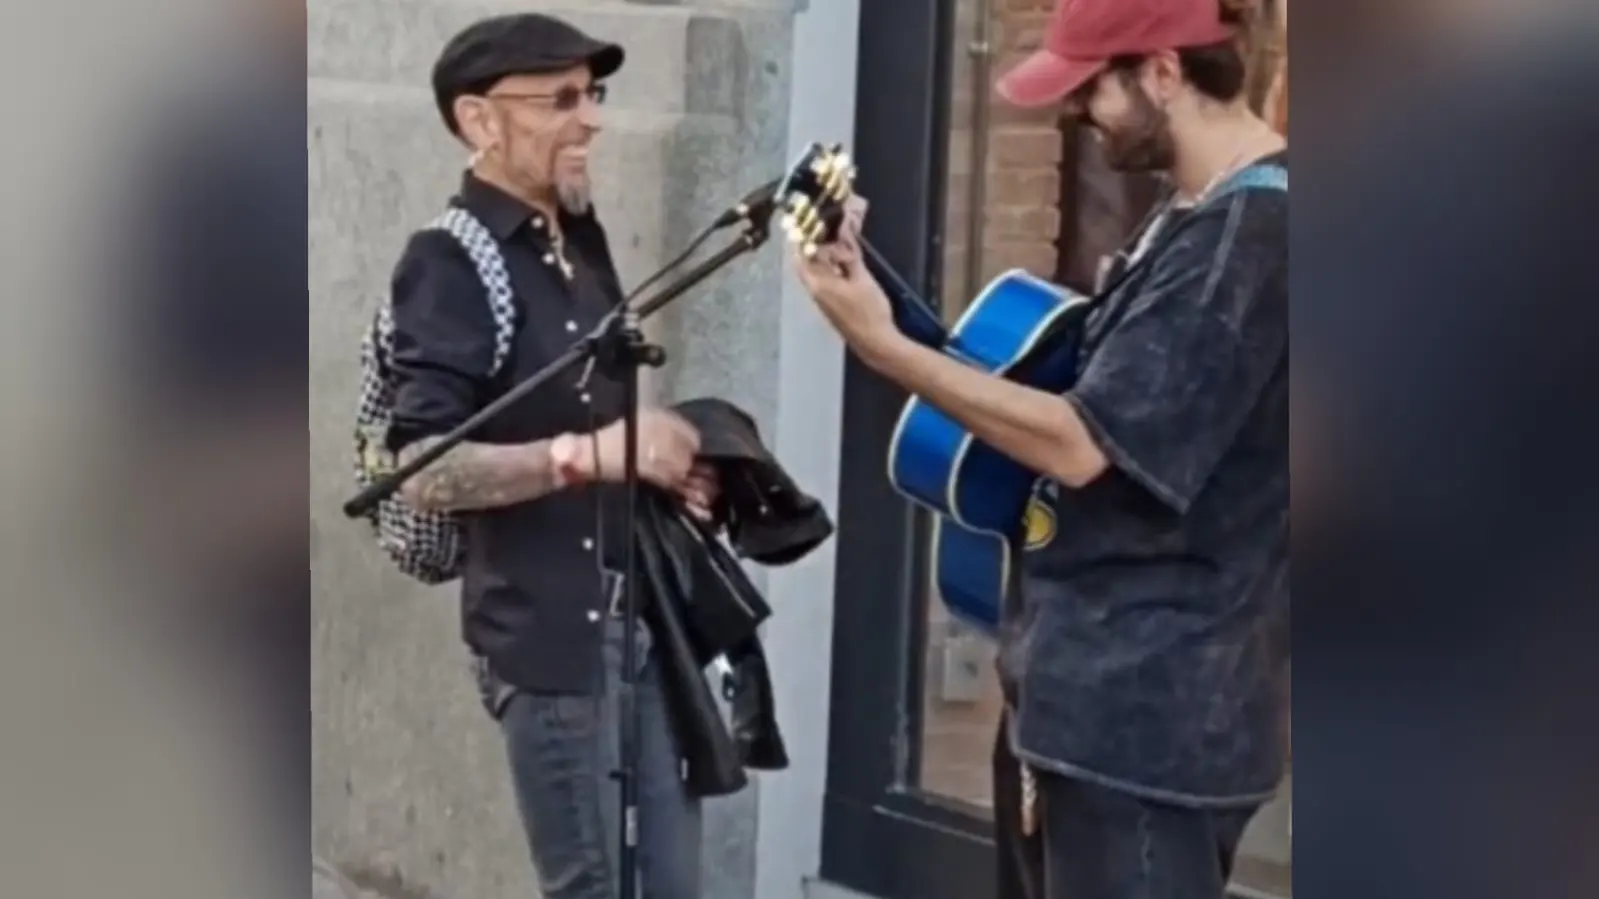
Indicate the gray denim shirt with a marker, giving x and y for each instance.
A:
(1146, 645)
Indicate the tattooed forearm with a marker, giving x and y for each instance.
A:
(480, 476)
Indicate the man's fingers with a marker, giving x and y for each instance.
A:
(668, 446)
(667, 427)
(827, 266)
(670, 469)
(808, 272)
(698, 490)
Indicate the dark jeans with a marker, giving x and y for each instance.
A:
(562, 750)
(1096, 843)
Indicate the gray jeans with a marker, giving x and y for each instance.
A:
(562, 750)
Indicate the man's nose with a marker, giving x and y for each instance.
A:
(588, 114)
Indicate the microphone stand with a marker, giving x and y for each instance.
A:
(619, 347)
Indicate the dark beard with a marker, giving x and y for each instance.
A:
(1144, 144)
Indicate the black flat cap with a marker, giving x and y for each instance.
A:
(521, 44)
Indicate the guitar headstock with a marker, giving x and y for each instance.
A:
(813, 195)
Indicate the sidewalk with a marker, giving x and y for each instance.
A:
(328, 882)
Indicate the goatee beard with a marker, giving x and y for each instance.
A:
(574, 197)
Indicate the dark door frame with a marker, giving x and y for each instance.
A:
(879, 836)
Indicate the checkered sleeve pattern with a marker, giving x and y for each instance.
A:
(427, 546)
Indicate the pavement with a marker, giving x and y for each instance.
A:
(328, 882)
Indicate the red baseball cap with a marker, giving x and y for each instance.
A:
(1084, 35)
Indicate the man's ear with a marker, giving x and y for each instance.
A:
(478, 127)
(1163, 75)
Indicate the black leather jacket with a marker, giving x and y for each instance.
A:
(700, 604)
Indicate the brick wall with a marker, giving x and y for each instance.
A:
(1021, 214)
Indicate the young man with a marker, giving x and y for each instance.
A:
(1141, 657)
(542, 503)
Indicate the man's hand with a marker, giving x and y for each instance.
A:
(666, 448)
(836, 277)
(700, 491)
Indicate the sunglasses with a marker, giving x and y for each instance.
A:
(564, 100)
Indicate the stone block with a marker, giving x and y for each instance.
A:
(665, 45)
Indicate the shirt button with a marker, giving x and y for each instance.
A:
(538, 221)
(571, 326)
(549, 258)
(586, 399)
(594, 615)
(588, 544)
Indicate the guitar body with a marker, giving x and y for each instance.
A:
(979, 494)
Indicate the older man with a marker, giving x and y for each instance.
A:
(538, 487)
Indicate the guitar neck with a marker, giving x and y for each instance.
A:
(914, 315)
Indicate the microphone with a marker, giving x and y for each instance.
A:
(758, 204)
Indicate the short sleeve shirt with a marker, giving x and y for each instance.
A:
(1145, 647)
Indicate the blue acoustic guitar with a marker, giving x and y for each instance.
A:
(1019, 327)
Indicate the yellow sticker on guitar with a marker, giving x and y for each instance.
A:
(1040, 525)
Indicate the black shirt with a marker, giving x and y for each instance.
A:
(1146, 653)
(532, 596)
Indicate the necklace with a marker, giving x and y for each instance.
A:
(558, 244)
(1221, 174)
(1233, 165)
(1147, 239)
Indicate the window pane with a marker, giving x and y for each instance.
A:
(961, 702)
(960, 713)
